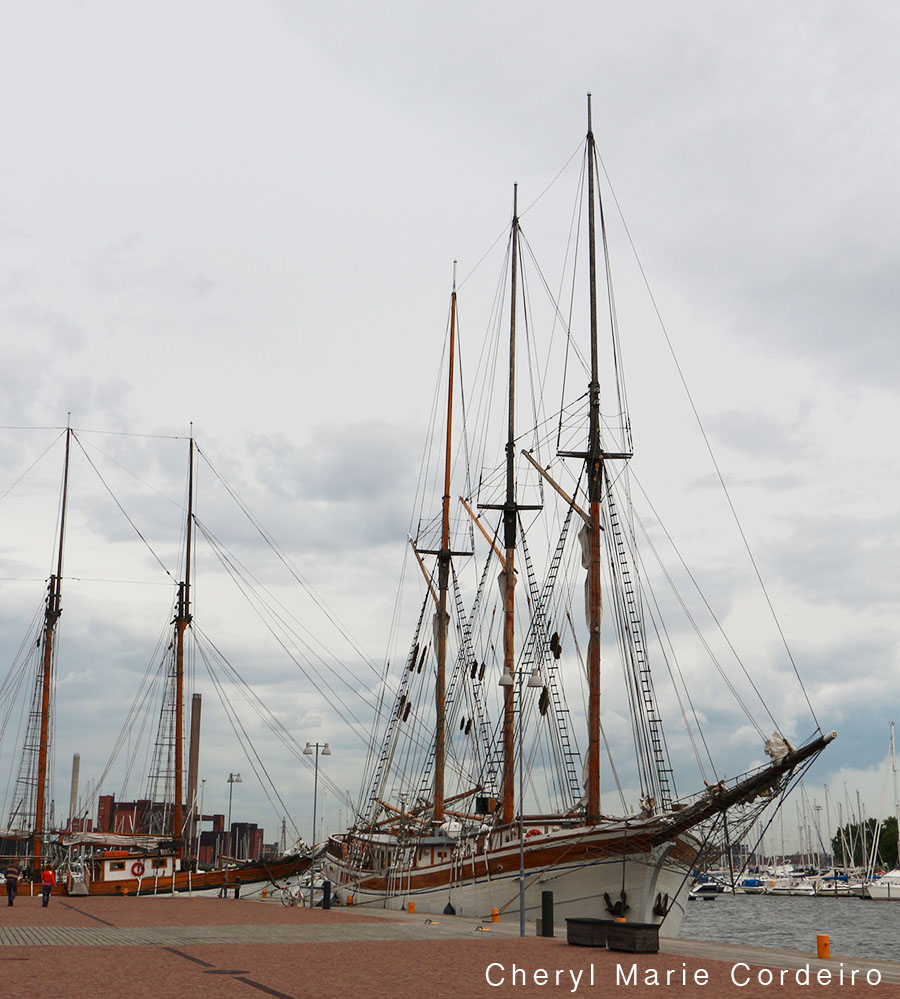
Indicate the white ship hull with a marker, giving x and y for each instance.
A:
(886, 888)
(843, 890)
(580, 866)
(790, 886)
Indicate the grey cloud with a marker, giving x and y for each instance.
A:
(249, 249)
(846, 561)
(758, 432)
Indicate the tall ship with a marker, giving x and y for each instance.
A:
(477, 796)
(158, 852)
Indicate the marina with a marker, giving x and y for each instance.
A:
(437, 503)
(491, 772)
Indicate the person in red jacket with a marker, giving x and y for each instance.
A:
(48, 880)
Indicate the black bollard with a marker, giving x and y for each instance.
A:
(326, 895)
(546, 913)
(237, 887)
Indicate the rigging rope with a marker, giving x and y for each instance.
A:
(711, 612)
(711, 452)
(231, 564)
(288, 564)
(121, 508)
(43, 453)
(252, 757)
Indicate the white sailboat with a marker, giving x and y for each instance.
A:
(887, 887)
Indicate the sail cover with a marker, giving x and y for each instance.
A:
(111, 839)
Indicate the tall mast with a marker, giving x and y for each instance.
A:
(510, 512)
(896, 799)
(444, 583)
(182, 620)
(51, 615)
(595, 488)
(594, 458)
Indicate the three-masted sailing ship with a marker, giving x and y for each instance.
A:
(475, 848)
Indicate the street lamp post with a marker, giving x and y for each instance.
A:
(534, 680)
(308, 751)
(232, 780)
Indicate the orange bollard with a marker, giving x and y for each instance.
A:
(264, 893)
(823, 946)
(410, 906)
(620, 919)
(495, 915)
(349, 900)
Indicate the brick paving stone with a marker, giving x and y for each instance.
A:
(399, 969)
(177, 948)
(162, 911)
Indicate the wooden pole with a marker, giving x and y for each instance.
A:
(480, 526)
(595, 489)
(509, 541)
(182, 620)
(51, 616)
(444, 585)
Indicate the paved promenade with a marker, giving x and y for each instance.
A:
(85, 948)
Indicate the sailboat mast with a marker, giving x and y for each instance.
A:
(509, 538)
(896, 799)
(595, 489)
(444, 584)
(182, 620)
(51, 616)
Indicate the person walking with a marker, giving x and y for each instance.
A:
(48, 880)
(12, 875)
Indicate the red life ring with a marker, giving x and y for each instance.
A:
(533, 832)
(137, 868)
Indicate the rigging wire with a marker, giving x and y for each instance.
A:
(232, 565)
(289, 565)
(711, 452)
(36, 461)
(252, 757)
(24, 665)
(712, 613)
(137, 478)
(121, 508)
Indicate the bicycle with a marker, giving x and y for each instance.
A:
(292, 896)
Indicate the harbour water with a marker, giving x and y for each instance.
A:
(857, 927)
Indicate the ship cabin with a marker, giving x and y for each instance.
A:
(121, 865)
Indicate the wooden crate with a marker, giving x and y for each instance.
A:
(635, 938)
(584, 931)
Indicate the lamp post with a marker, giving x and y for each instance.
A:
(534, 680)
(308, 751)
(232, 780)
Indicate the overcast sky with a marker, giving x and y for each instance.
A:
(244, 215)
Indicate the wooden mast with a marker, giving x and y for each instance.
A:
(595, 489)
(444, 585)
(182, 620)
(510, 514)
(51, 615)
(594, 458)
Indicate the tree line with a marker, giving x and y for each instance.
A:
(852, 844)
